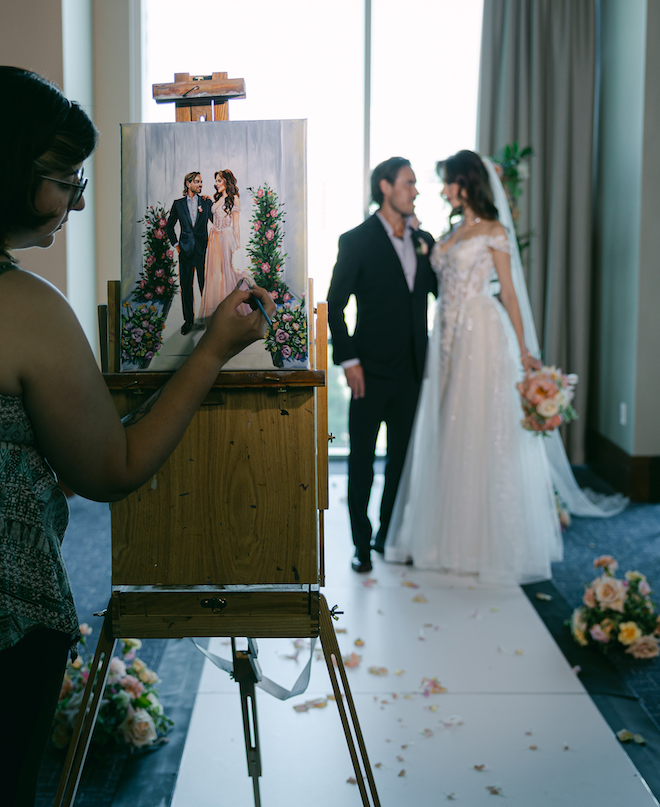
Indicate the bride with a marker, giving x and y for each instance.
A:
(478, 491)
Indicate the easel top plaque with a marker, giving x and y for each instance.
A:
(200, 97)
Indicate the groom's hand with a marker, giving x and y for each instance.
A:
(355, 380)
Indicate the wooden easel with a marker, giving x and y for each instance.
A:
(227, 538)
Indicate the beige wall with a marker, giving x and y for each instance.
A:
(90, 48)
(31, 37)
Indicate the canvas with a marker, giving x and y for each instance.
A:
(205, 205)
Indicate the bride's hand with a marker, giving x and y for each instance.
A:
(530, 363)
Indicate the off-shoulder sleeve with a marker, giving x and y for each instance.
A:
(499, 242)
(437, 257)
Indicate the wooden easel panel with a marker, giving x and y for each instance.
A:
(181, 613)
(236, 503)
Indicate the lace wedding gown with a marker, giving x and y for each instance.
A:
(476, 495)
(220, 277)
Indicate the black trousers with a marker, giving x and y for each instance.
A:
(389, 401)
(188, 264)
(31, 675)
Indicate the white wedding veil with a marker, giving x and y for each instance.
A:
(579, 502)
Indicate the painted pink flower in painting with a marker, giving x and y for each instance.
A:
(159, 272)
(170, 280)
(150, 260)
(148, 295)
(260, 193)
(273, 212)
(265, 267)
(286, 352)
(286, 297)
(159, 234)
(149, 354)
(270, 235)
(161, 222)
(170, 253)
(287, 317)
(273, 294)
(160, 289)
(281, 336)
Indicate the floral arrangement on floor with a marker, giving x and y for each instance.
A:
(130, 712)
(546, 396)
(286, 338)
(512, 167)
(617, 613)
(141, 326)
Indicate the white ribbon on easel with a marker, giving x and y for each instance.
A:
(274, 689)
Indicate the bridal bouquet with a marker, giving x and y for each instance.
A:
(546, 396)
(617, 613)
(130, 711)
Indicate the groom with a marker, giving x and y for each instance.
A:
(385, 263)
(193, 212)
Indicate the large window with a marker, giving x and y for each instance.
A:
(302, 59)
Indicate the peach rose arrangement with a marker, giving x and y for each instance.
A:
(617, 613)
(130, 712)
(546, 396)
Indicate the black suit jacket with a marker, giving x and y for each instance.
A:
(191, 239)
(391, 328)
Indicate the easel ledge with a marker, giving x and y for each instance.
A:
(239, 379)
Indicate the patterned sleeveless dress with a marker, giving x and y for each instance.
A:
(34, 586)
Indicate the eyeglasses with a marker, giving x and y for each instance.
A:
(79, 187)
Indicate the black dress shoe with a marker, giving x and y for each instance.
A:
(378, 546)
(361, 566)
(186, 328)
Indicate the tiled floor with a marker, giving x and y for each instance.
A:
(514, 717)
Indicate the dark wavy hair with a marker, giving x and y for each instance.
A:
(386, 170)
(467, 169)
(231, 189)
(43, 133)
(189, 178)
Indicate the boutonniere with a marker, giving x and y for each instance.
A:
(421, 247)
(200, 209)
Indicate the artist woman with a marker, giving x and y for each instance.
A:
(220, 277)
(56, 413)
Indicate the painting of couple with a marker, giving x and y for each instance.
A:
(208, 254)
(185, 240)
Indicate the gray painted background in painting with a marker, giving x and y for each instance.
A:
(155, 159)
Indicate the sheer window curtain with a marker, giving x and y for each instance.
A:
(537, 87)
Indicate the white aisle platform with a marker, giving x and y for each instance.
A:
(515, 722)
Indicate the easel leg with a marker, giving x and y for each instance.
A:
(82, 733)
(244, 675)
(330, 649)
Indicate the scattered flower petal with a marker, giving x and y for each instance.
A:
(359, 643)
(577, 669)
(402, 772)
(370, 582)
(533, 747)
(480, 767)
(351, 781)
(624, 735)
(352, 661)
(377, 670)
(419, 598)
(399, 672)
(639, 739)
(426, 733)
(431, 686)
(409, 584)
(378, 765)
(545, 597)
(495, 790)
(400, 758)
(450, 796)
(341, 630)
(519, 652)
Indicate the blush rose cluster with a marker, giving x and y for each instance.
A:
(546, 396)
(131, 713)
(286, 338)
(617, 613)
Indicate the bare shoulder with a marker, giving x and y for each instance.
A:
(495, 228)
(36, 323)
